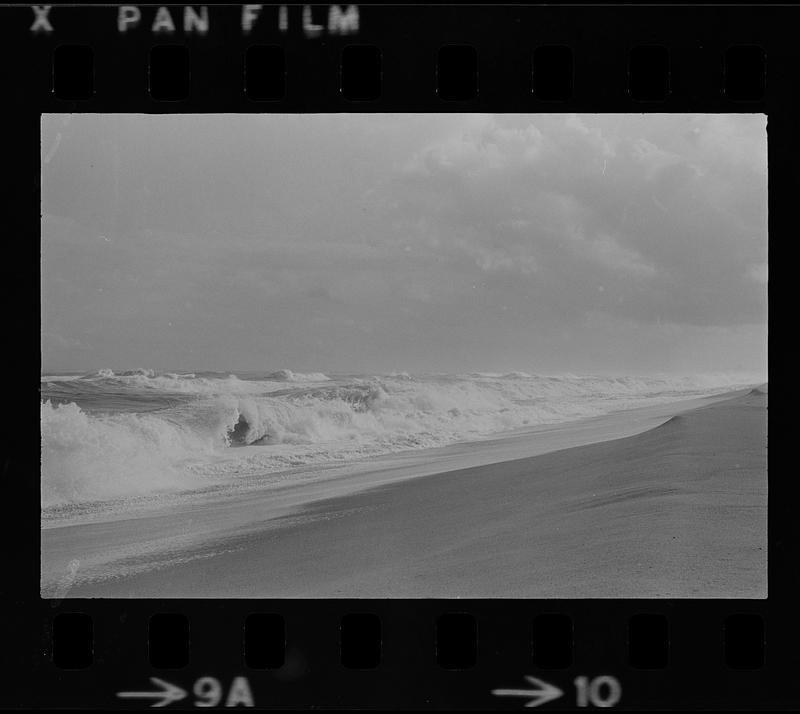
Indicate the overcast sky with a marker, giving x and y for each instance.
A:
(376, 243)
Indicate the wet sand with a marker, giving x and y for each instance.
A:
(678, 510)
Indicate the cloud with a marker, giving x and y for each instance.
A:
(57, 341)
(758, 273)
(606, 251)
(417, 242)
(670, 218)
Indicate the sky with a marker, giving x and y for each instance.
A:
(372, 243)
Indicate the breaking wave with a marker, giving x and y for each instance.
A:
(286, 375)
(110, 435)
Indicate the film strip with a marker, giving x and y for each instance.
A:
(66, 650)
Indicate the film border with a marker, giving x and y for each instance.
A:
(409, 38)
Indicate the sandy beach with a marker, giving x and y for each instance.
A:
(667, 501)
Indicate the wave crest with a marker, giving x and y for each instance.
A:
(286, 375)
(92, 453)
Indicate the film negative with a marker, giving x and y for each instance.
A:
(398, 356)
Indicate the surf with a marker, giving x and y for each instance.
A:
(108, 435)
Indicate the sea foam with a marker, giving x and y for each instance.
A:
(94, 449)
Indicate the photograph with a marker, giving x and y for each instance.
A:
(371, 355)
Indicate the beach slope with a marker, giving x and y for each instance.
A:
(677, 511)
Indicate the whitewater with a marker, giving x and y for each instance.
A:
(111, 436)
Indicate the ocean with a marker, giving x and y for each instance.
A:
(111, 436)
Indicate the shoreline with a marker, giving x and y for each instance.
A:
(491, 448)
(303, 535)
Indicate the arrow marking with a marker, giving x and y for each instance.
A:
(543, 692)
(169, 693)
